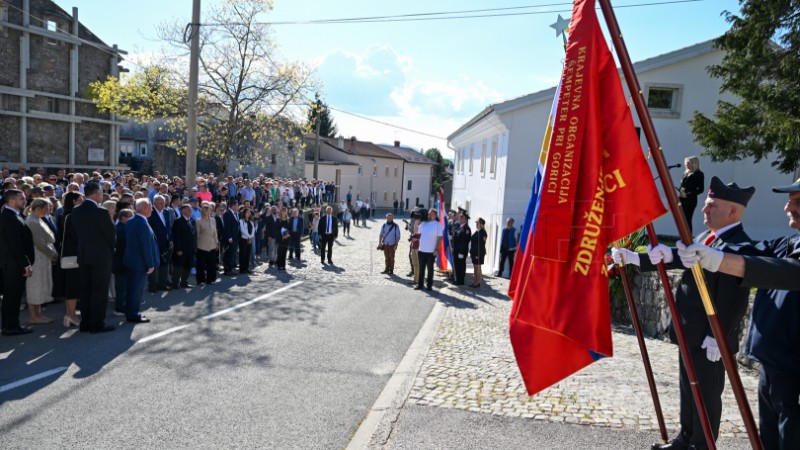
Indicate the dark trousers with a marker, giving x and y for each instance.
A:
(244, 255)
(507, 254)
(294, 245)
(229, 258)
(181, 268)
(136, 282)
(711, 378)
(459, 267)
(688, 205)
(121, 281)
(778, 410)
(160, 276)
(326, 244)
(95, 280)
(283, 248)
(13, 286)
(206, 266)
(425, 268)
(346, 227)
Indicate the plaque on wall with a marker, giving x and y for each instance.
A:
(97, 154)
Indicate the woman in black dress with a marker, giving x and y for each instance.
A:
(246, 241)
(477, 251)
(691, 186)
(283, 244)
(69, 247)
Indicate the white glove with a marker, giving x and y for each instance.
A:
(712, 351)
(659, 253)
(709, 258)
(618, 254)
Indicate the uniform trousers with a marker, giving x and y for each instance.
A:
(779, 410)
(95, 280)
(13, 286)
(711, 378)
(459, 267)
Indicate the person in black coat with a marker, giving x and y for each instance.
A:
(722, 214)
(233, 234)
(691, 186)
(96, 240)
(477, 251)
(283, 226)
(118, 269)
(221, 236)
(328, 230)
(184, 244)
(295, 233)
(161, 221)
(461, 238)
(16, 260)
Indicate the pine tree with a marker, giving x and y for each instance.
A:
(761, 66)
(326, 128)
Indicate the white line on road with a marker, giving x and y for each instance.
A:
(31, 379)
(250, 302)
(218, 313)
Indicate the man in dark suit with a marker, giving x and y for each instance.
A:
(141, 258)
(295, 233)
(461, 239)
(328, 231)
(221, 236)
(184, 239)
(16, 260)
(96, 239)
(722, 214)
(233, 232)
(160, 222)
(273, 235)
(508, 247)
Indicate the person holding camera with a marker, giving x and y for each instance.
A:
(388, 240)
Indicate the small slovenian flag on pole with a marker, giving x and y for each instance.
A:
(445, 255)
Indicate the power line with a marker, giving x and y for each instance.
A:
(388, 124)
(445, 15)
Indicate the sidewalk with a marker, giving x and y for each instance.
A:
(469, 394)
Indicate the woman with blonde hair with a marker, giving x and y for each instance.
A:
(207, 244)
(39, 285)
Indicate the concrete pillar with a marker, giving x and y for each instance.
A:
(25, 63)
(73, 86)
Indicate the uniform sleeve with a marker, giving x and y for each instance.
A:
(771, 273)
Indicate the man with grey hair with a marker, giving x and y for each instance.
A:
(141, 258)
(160, 222)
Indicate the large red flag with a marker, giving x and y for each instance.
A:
(597, 188)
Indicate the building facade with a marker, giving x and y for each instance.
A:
(497, 150)
(417, 176)
(48, 60)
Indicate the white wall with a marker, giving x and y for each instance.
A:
(420, 177)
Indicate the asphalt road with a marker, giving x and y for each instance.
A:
(294, 369)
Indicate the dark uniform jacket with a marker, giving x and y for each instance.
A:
(461, 238)
(184, 238)
(730, 298)
(96, 234)
(774, 335)
(16, 242)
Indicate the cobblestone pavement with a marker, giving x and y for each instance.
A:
(470, 366)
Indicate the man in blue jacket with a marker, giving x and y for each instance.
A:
(141, 258)
(508, 247)
(774, 335)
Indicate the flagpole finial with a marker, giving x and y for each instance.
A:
(561, 26)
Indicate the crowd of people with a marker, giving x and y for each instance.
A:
(91, 238)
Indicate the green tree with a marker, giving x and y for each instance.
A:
(440, 174)
(761, 67)
(326, 127)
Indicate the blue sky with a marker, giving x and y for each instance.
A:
(428, 76)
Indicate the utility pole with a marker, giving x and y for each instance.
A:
(316, 146)
(191, 134)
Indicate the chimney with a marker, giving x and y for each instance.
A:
(353, 143)
(397, 144)
(341, 142)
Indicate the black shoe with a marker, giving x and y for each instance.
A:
(410, 274)
(103, 329)
(140, 319)
(675, 444)
(417, 287)
(330, 262)
(165, 287)
(186, 286)
(385, 271)
(16, 331)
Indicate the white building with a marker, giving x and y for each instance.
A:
(417, 176)
(496, 151)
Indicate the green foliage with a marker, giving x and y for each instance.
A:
(761, 67)
(326, 127)
(440, 175)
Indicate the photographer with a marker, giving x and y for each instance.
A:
(388, 241)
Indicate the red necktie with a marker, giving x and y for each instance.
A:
(709, 239)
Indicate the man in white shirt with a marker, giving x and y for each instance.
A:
(328, 231)
(430, 239)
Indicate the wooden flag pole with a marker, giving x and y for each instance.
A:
(626, 285)
(683, 227)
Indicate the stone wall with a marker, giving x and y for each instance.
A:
(651, 304)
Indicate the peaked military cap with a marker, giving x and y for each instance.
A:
(794, 187)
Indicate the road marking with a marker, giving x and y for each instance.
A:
(31, 379)
(218, 313)
(160, 334)
(250, 302)
(38, 357)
